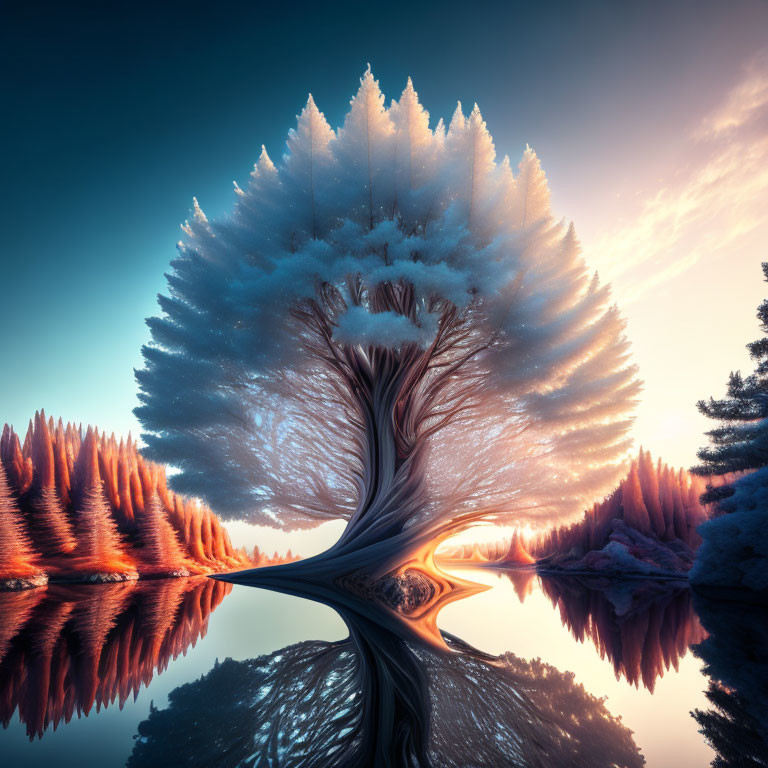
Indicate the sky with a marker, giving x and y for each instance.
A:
(650, 119)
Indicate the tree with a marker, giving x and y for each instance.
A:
(740, 443)
(100, 549)
(635, 512)
(17, 558)
(161, 552)
(735, 548)
(389, 329)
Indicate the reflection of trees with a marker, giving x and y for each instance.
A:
(735, 659)
(643, 627)
(68, 648)
(383, 697)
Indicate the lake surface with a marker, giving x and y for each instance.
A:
(85, 669)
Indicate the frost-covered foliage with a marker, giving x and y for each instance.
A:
(735, 548)
(390, 319)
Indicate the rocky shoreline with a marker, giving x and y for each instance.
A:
(15, 584)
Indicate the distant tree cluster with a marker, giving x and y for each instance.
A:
(81, 503)
(511, 551)
(654, 499)
(68, 648)
(657, 500)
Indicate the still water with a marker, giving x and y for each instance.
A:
(540, 671)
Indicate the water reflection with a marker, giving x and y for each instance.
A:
(397, 691)
(67, 649)
(642, 627)
(385, 696)
(734, 657)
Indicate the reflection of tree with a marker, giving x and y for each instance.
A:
(735, 660)
(68, 648)
(732, 730)
(523, 580)
(383, 697)
(644, 628)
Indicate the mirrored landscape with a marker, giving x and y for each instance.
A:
(514, 668)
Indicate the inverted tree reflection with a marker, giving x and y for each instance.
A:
(67, 649)
(734, 657)
(385, 696)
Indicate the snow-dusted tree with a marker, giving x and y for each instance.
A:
(735, 548)
(391, 329)
(99, 545)
(17, 558)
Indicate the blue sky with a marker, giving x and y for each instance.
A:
(116, 115)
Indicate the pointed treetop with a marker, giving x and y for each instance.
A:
(368, 94)
(198, 212)
(264, 164)
(199, 221)
(458, 121)
(483, 149)
(533, 189)
(410, 118)
(311, 135)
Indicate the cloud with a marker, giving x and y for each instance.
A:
(706, 209)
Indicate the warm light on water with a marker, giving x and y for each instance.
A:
(250, 623)
(496, 621)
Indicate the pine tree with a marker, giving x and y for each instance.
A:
(533, 191)
(414, 150)
(17, 558)
(635, 512)
(162, 552)
(367, 139)
(51, 527)
(308, 150)
(734, 552)
(740, 443)
(649, 480)
(100, 549)
(471, 144)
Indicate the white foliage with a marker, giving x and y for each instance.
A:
(382, 201)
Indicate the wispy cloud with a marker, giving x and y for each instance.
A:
(703, 211)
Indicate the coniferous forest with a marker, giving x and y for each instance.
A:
(78, 505)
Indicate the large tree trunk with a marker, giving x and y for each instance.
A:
(395, 398)
(388, 532)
